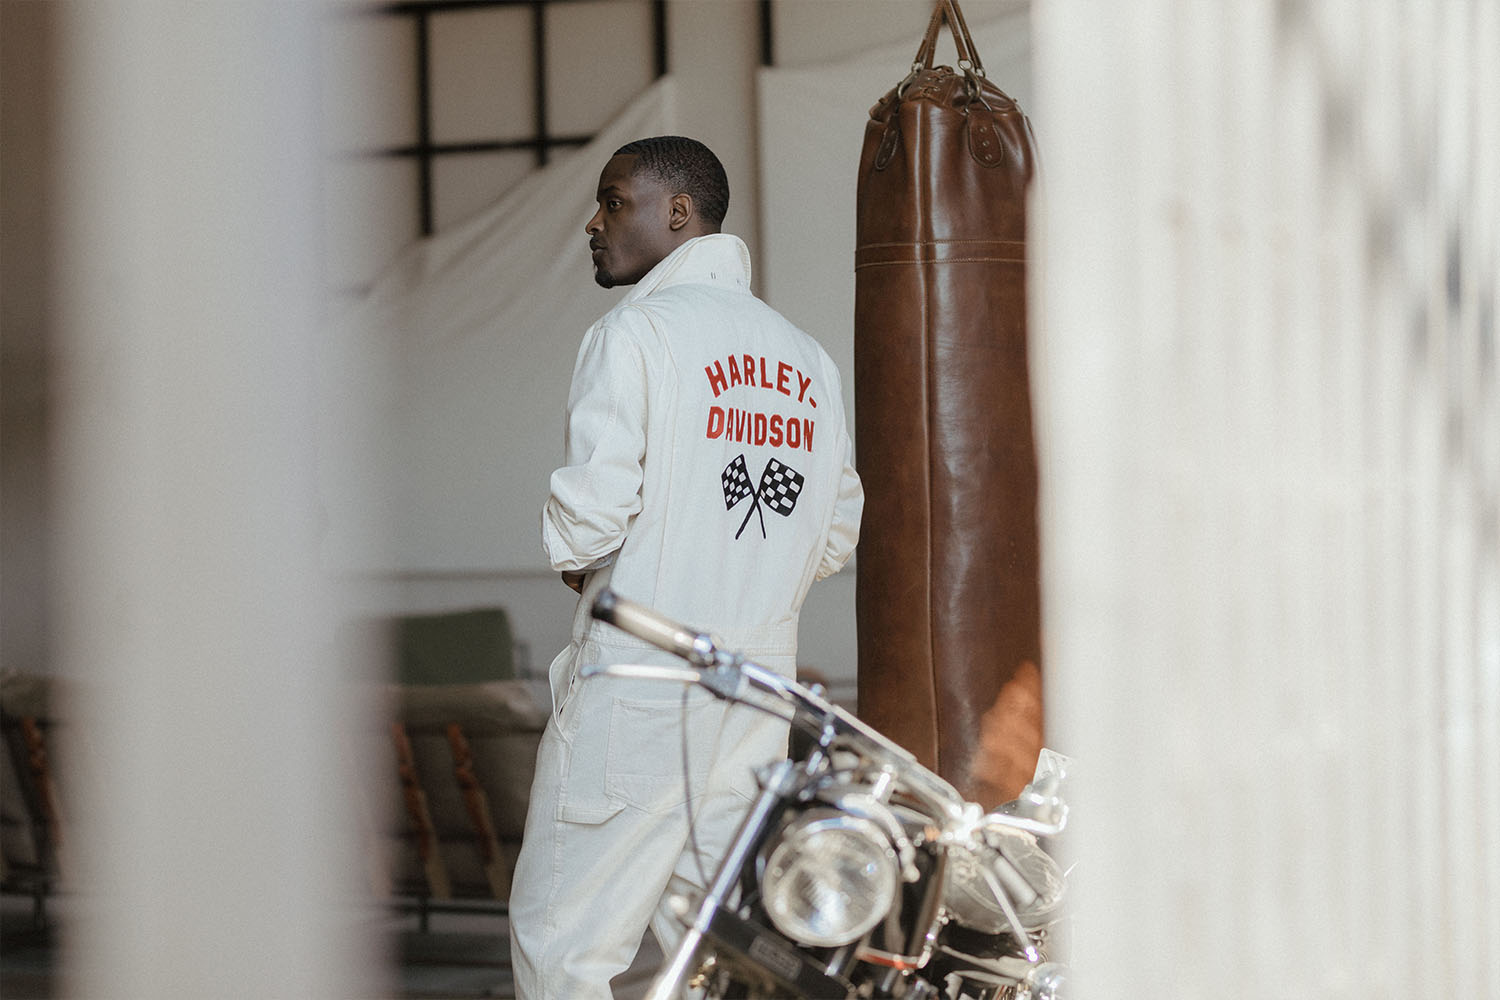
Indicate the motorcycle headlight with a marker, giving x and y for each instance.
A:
(829, 878)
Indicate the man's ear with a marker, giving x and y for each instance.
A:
(680, 211)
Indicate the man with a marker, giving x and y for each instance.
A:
(707, 475)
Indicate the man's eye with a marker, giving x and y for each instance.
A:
(612, 204)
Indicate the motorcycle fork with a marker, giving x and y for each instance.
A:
(778, 785)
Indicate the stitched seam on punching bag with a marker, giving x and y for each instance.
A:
(946, 260)
(937, 251)
(934, 243)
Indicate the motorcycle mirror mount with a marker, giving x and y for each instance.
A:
(1044, 822)
(1040, 808)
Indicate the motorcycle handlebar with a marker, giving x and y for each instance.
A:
(699, 649)
(644, 623)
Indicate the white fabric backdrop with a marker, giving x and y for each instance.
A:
(468, 341)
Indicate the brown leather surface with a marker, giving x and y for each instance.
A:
(948, 596)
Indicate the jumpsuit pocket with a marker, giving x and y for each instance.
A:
(644, 768)
(560, 674)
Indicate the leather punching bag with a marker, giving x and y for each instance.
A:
(948, 595)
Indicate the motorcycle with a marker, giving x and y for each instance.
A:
(857, 872)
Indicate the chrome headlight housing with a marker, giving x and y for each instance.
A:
(828, 878)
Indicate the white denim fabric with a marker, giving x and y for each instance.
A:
(708, 475)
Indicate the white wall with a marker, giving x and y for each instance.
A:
(822, 32)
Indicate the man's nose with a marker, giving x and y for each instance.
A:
(594, 225)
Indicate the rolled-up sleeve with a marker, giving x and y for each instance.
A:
(597, 492)
(843, 531)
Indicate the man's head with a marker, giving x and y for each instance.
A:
(654, 195)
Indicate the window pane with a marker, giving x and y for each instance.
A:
(600, 55)
(466, 183)
(482, 76)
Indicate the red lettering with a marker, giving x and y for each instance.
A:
(749, 369)
(783, 378)
(761, 429)
(802, 386)
(716, 380)
(734, 372)
(765, 383)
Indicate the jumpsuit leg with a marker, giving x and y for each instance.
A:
(586, 886)
(583, 893)
(747, 740)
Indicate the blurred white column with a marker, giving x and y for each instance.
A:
(1269, 417)
(213, 855)
(713, 50)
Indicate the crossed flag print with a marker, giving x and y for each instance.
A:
(779, 488)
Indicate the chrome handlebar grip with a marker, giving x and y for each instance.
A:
(699, 649)
(644, 623)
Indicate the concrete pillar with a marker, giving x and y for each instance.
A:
(1269, 421)
(196, 628)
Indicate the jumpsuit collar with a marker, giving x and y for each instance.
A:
(715, 258)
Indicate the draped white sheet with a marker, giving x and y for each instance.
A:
(467, 342)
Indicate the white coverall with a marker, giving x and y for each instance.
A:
(708, 475)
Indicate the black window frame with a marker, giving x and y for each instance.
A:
(541, 141)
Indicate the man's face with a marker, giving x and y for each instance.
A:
(631, 232)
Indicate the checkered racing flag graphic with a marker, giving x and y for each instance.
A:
(736, 480)
(780, 485)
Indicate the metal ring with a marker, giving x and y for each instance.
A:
(916, 69)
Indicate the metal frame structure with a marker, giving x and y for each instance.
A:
(542, 141)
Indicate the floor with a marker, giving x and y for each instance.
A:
(458, 956)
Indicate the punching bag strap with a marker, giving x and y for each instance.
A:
(968, 57)
(928, 48)
(986, 144)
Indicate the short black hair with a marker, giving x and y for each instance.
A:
(687, 166)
